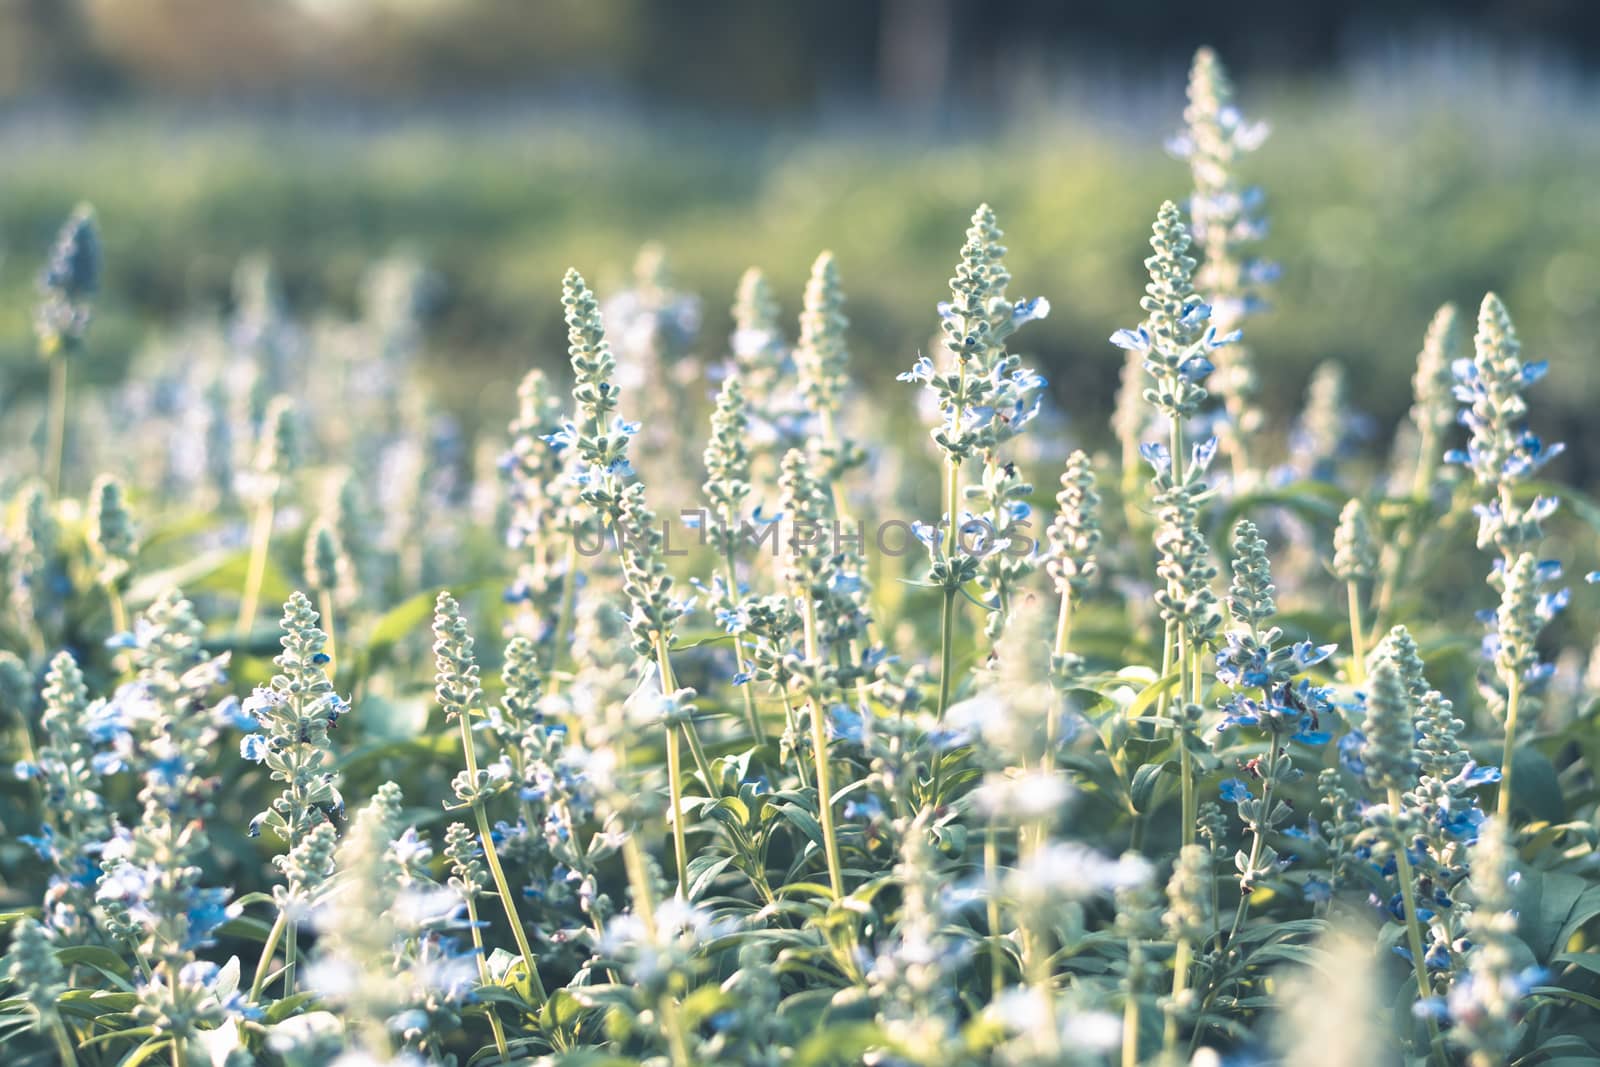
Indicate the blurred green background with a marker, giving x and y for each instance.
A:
(1420, 153)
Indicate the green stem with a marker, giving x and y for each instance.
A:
(503, 888)
(58, 422)
(492, 856)
(1259, 834)
(291, 952)
(680, 847)
(1180, 987)
(752, 719)
(260, 540)
(1358, 651)
(58, 1030)
(669, 683)
(1185, 759)
(1408, 899)
(119, 611)
(1130, 1012)
(274, 936)
(947, 626)
(325, 604)
(484, 979)
(819, 745)
(1508, 752)
(991, 879)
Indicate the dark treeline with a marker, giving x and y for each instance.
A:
(725, 55)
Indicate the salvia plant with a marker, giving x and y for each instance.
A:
(756, 724)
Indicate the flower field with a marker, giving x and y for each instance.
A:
(719, 708)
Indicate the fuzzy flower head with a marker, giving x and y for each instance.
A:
(111, 531)
(727, 458)
(599, 438)
(1501, 452)
(293, 715)
(1175, 338)
(1433, 408)
(68, 284)
(457, 683)
(1074, 536)
(327, 566)
(986, 396)
(1527, 605)
(1355, 553)
(1386, 753)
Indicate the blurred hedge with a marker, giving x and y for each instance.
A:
(1386, 200)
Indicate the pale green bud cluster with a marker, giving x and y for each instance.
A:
(33, 971)
(1186, 599)
(1494, 989)
(111, 531)
(469, 875)
(327, 566)
(70, 280)
(1322, 433)
(1175, 319)
(1000, 501)
(294, 712)
(1226, 222)
(1355, 553)
(766, 367)
(1525, 608)
(1440, 752)
(1433, 409)
(1074, 537)
(645, 578)
(457, 681)
(727, 458)
(1341, 825)
(1251, 595)
(601, 439)
(519, 705)
(307, 869)
(821, 356)
(278, 448)
(1387, 752)
(1188, 914)
(1400, 648)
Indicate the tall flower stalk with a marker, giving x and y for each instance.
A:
(66, 290)
(293, 715)
(115, 543)
(986, 397)
(1176, 344)
(276, 454)
(1502, 454)
(727, 487)
(1355, 562)
(1227, 221)
(461, 696)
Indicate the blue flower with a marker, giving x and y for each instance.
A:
(1234, 790)
(845, 723)
(566, 437)
(921, 371)
(1155, 453)
(254, 747)
(1132, 340)
(1196, 368)
(1024, 311)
